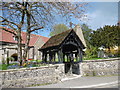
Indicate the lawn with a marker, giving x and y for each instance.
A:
(92, 58)
(97, 58)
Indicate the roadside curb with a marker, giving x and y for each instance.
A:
(97, 85)
(70, 78)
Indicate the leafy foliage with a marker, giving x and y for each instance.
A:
(91, 52)
(106, 36)
(59, 28)
(86, 32)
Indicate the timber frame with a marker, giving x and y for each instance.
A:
(65, 47)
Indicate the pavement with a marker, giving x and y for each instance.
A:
(85, 82)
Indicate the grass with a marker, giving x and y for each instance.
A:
(97, 58)
(92, 58)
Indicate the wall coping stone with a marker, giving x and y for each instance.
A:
(102, 60)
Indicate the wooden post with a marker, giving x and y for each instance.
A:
(63, 57)
(60, 55)
(80, 55)
(54, 56)
(43, 56)
(59, 59)
(76, 55)
(67, 57)
(49, 58)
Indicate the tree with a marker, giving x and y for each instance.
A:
(39, 14)
(19, 11)
(46, 15)
(86, 32)
(91, 51)
(105, 37)
(17, 31)
(59, 28)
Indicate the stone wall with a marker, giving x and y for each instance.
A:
(32, 76)
(54, 73)
(99, 67)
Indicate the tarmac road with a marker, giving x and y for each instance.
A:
(85, 82)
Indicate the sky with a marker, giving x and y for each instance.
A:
(98, 14)
(102, 13)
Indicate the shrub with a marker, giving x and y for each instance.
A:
(91, 53)
(4, 67)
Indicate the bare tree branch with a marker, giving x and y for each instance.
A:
(36, 29)
(9, 26)
(12, 32)
(4, 19)
(33, 25)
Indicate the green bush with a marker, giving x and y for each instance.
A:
(3, 66)
(91, 53)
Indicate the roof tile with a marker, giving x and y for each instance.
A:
(8, 37)
(56, 40)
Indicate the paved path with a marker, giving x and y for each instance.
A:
(85, 82)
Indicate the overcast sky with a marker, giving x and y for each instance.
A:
(99, 15)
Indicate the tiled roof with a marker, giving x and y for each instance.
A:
(56, 40)
(8, 37)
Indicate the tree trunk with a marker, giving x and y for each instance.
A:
(19, 47)
(19, 36)
(26, 50)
